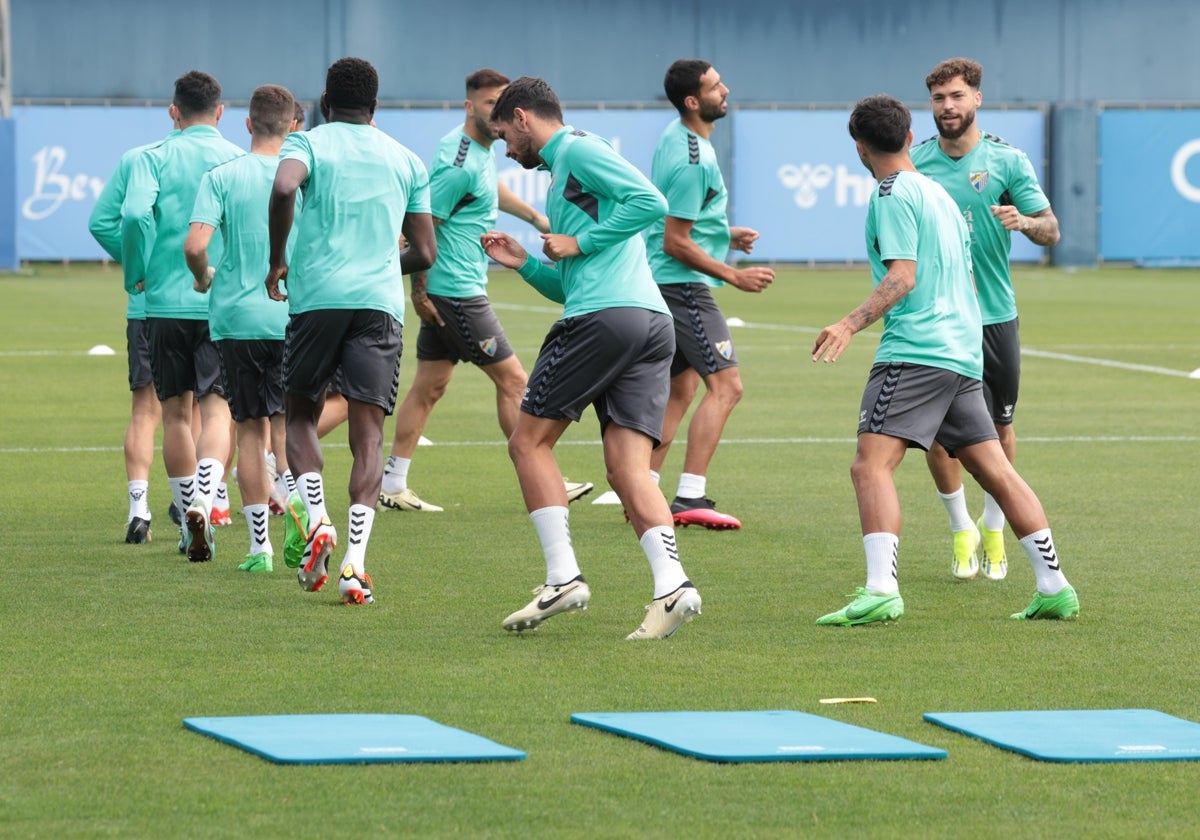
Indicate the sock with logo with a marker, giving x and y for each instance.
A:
(691, 486)
(312, 493)
(222, 498)
(881, 549)
(183, 491)
(663, 553)
(362, 519)
(993, 517)
(395, 474)
(138, 505)
(256, 521)
(209, 472)
(1044, 558)
(956, 505)
(554, 532)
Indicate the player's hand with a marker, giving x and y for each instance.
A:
(756, 278)
(140, 287)
(541, 223)
(1008, 216)
(426, 311)
(559, 246)
(502, 248)
(275, 276)
(831, 342)
(203, 284)
(742, 238)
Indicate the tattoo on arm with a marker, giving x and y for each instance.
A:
(890, 289)
(1042, 228)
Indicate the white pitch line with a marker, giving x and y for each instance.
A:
(1088, 360)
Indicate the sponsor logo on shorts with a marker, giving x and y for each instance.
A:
(725, 348)
(488, 346)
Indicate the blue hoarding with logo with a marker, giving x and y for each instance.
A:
(1150, 186)
(798, 181)
(65, 154)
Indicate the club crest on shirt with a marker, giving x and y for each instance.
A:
(725, 348)
(488, 346)
(979, 180)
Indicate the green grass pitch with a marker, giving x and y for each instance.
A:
(107, 647)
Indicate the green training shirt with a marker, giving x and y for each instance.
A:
(463, 195)
(155, 217)
(604, 202)
(233, 199)
(360, 185)
(936, 324)
(993, 173)
(105, 221)
(685, 170)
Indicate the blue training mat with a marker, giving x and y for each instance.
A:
(350, 739)
(1087, 735)
(744, 736)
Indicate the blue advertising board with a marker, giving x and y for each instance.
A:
(798, 181)
(8, 195)
(1150, 186)
(65, 154)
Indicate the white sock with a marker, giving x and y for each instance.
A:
(256, 521)
(395, 474)
(993, 517)
(290, 480)
(956, 506)
(881, 551)
(269, 457)
(183, 491)
(663, 553)
(1044, 558)
(209, 472)
(554, 532)
(691, 486)
(362, 518)
(656, 476)
(281, 487)
(138, 505)
(312, 493)
(222, 499)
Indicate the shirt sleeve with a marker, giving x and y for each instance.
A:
(105, 221)
(138, 227)
(546, 279)
(635, 202)
(448, 186)
(418, 199)
(685, 192)
(896, 225)
(1026, 192)
(208, 207)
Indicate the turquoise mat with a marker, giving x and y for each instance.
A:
(350, 739)
(1081, 735)
(745, 736)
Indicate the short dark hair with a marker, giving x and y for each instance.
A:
(298, 115)
(351, 83)
(529, 94)
(485, 78)
(971, 71)
(272, 109)
(683, 80)
(196, 92)
(881, 123)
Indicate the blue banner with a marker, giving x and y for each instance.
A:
(8, 196)
(65, 154)
(1150, 186)
(798, 181)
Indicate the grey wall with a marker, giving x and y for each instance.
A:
(1070, 54)
(769, 50)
